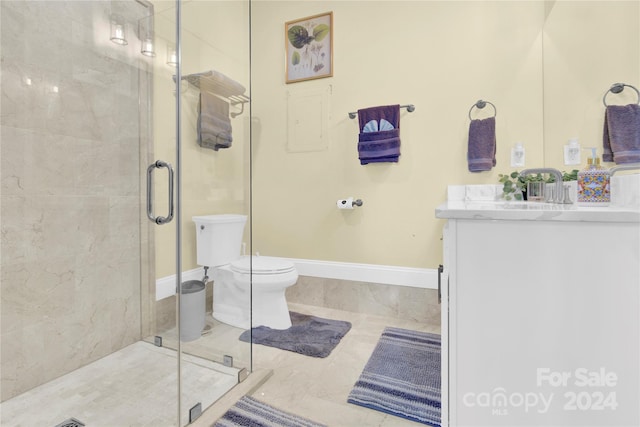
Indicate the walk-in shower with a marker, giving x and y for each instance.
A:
(89, 100)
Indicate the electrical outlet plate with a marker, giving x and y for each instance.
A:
(517, 157)
(571, 155)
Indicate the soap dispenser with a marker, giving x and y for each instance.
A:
(593, 183)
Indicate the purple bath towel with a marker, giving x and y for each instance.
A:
(481, 153)
(621, 139)
(379, 138)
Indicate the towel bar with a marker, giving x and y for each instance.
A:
(617, 88)
(480, 105)
(410, 108)
(221, 86)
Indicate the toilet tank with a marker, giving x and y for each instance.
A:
(219, 238)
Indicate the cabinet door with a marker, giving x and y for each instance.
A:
(543, 325)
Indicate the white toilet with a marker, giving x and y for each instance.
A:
(219, 239)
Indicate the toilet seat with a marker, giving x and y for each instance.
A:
(261, 265)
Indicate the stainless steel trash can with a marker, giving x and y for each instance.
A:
(192, 310)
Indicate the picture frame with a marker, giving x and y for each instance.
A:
(309, 48)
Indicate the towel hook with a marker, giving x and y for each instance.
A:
(480, 105)
(617, 88)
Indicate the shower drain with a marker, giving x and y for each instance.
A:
(71, 422)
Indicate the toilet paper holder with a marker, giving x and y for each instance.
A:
(349, 203)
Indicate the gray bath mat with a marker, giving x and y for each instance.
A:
(402, 377)
(308, 335)
(251, 412)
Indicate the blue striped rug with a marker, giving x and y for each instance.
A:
(402, 377)
(249, 412)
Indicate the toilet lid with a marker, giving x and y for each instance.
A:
(261, 265)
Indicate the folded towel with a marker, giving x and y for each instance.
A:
(379, 138)
(214, 127)
(621, 136)
(481, 153)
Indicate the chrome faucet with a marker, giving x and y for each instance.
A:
(558, 194)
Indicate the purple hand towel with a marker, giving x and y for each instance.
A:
(621, 136)
(382, 145)
(481, 153)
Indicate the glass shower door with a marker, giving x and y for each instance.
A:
(211, 45)
(215, 176)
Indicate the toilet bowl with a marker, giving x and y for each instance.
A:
(247, 290)
(267, 278)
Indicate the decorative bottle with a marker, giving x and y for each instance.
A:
(593, 183)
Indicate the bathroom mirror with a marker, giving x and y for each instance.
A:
(587, 47)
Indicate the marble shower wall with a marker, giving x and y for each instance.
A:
(72, 155)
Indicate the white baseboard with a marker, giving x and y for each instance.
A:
(426, 278)
(384, 274)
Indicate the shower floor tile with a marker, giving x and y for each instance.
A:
(140, 381)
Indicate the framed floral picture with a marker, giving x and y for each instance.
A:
(309, 48)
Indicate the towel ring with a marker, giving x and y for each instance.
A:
(480, 105)
(617, 88)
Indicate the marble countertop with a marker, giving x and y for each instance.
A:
(535, 211)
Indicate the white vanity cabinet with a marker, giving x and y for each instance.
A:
(540, 315)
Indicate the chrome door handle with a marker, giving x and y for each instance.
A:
(159, 220)
(440, 271)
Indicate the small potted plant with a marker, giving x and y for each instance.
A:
(514, 186)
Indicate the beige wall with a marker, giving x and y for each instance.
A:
(546, 68)
(440, 56)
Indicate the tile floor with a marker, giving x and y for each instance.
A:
(318, 388)
(311, 387)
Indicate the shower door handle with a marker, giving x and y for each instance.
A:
(160, 219)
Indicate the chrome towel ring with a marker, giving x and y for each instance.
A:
(480, 105)
(617, 88)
